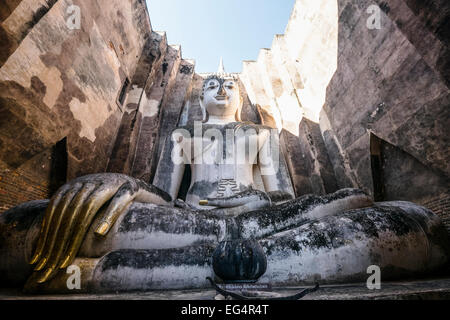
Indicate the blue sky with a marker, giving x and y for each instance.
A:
(234, 29)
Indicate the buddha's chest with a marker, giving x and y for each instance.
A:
(214, 149)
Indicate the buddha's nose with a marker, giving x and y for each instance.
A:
(221, 91)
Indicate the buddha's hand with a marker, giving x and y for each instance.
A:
(245, 201)
(72, 210)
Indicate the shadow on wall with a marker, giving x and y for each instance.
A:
(399, 176)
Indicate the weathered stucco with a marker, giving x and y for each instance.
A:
(60, 83)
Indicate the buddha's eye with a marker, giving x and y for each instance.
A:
(230, 85)
(212, 85)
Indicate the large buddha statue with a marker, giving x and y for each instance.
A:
(126, 234)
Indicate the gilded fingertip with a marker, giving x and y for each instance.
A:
(34, 259)
(41, 264)
(102, 229)
(65, 263)
(45, 276)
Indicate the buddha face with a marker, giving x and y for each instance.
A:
(221, 96)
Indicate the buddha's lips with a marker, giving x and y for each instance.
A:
(221, 97)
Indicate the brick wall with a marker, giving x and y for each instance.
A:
(441, 206)
(37, 179)
(29, 182)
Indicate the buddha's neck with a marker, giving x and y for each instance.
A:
(221, 120)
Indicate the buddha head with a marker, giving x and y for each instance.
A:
(221, 97)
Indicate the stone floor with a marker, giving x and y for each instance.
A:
(431, 289)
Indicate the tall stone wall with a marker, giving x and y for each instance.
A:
(394, 84)
(380, 97)
(60, 83)
(121, 159)
(289, 81)
(390, 88)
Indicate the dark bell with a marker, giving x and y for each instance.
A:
(239, 260)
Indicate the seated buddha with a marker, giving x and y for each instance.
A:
(126, 235)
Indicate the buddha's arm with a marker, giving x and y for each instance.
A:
(278, 185)
(171, 166)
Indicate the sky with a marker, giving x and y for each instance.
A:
(209, 29)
